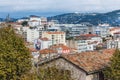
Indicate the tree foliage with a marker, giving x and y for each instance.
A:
(24, 23)
(113, 71)
(49, 73)
(14, 56)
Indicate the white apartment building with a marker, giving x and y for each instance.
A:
(34, 21)
(42, 43)
(114, 30)
(31, 35)
(102, 30)
(80, 45)
(113, 44)
(22, 20)
(116, 36)
(57, 37)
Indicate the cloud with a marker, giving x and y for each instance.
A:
(59, 5)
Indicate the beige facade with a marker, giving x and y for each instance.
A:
(57, 37)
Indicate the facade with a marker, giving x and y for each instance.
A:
(34, 21)
(113, 44)
(76, 29)
(85, 42)
(57, 37)
(114, 30)
(43, 43)
(102, 30)
(116, 36)
(31, 35)
(43, 21)
(80, 45)
(35, 55)
(22, 20)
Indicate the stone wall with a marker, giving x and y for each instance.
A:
(76, 73)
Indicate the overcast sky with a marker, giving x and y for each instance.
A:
(54, 6)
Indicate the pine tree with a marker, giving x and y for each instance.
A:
(15, 58)
(113, 71)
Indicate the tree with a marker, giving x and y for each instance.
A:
(24, 23)
(15, 59)
(113, 71)
(49, 73)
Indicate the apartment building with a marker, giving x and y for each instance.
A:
(57, 37)
(34, 21)
(113, 44)
(31, 35)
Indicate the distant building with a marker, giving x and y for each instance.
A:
(57, 37)
(102, 30)
(116, 36)
(113, 44)
(43, 21)
(42, 43)
(114, 30)
(34, 21)
(31, 35)
(23, 19)
(85, 42)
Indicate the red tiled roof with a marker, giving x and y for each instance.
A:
(56, 32)
(44, 39)
(89, 35)
(32, 50)
(47, 51)
(91, 61)
(116, 28)
(64, 47)
(117, 33)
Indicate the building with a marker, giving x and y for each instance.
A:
(42, 43)
(43, 21)
(84, 66)
(35, 55)
(113, 44)
(102, 30)
(116, 36)
(84, 42)
(31, 35)
(23, 19)
(80, 45)
(114, 30)
(55, 50)
(57, 37)
(34, 21)
(61, 48)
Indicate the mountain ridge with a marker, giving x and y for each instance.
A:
(112, 18)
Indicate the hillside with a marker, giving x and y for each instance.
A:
(112, 18)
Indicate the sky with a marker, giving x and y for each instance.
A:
(19, 8)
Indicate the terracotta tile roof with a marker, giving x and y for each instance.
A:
(113, 29)
(44, 39)
(89, 35)
(91, 61)
(47, 51)
(117, 33)
(32, 50)
(34, 21)
(64, 47)
(55, 32)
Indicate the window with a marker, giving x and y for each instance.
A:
(61, 36)
(53, 36)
